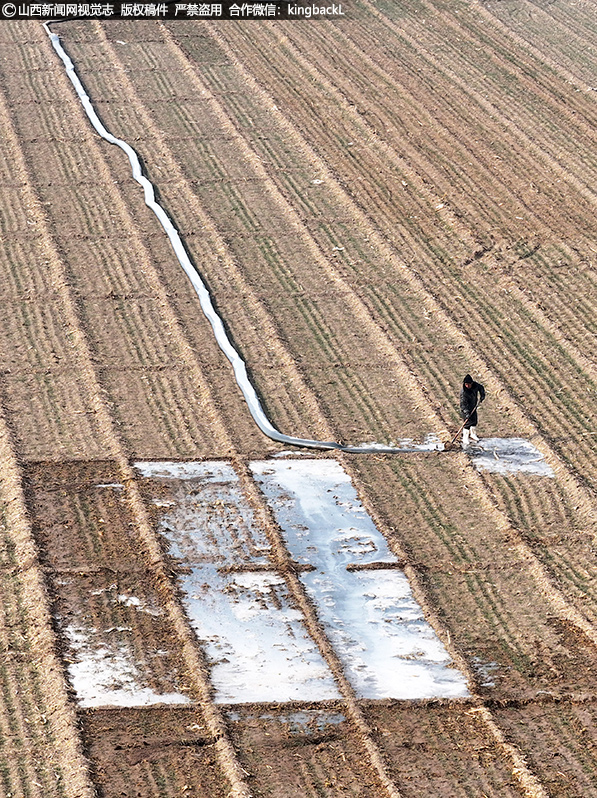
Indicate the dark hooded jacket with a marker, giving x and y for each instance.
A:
(469, 398)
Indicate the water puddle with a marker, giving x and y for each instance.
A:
(370, 615)
(304, 722)
(253, 636)
(487, 672)
(105, 671)
(113, 661)
(431, 443)
(509, 456)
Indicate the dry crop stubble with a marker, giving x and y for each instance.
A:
(444, 276)
(361, 411)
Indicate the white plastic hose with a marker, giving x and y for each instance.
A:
(238, 364)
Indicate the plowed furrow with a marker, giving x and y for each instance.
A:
(565, 32)
(463, 749)
(315, 760)
(443, 158)
(117, 451)
(469, 163)
(568, 734)
(469, 307)
(548, 521)
(533, 89)
(332, 68)
(476, 75)
(41, 752)
(564, 50)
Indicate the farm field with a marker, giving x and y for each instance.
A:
(378, 204)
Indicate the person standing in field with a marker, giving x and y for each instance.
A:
(471, 396)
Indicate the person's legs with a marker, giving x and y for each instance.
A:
(474, 435)
(465, 438)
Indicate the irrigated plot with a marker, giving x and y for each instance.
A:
(509, 456)
(119, 647)
(254, 636)
(377, 628)
(252, 632)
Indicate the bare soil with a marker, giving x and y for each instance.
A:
(309, 757)
(378, 206)
(143, 752)
(439, 749)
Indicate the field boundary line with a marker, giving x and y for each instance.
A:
(193, 657)
(283, 561)
(522, 773)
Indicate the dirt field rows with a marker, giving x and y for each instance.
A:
(378, 205)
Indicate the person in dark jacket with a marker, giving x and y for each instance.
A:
(471, 396)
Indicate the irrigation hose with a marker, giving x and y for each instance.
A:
(238, 365)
